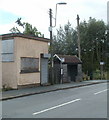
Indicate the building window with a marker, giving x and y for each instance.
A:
(7, 50)
(29, 65)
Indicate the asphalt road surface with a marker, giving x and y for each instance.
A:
(84, 102)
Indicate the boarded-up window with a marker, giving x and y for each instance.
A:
(29, 65)
(7, 50)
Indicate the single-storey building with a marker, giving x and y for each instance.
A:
(66, 68)
(24, 60)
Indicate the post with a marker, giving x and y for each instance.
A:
(79, 76)
(55, 15)
(51, 48)
(101, 72)
(79, 49)
(101, 69)
(61, 73)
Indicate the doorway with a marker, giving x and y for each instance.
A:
(72, 72)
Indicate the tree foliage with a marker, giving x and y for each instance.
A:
(93, 43)
(65, 40)
(15, 30)
(28, 29)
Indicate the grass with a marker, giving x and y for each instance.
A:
(97, 75)
(107, 75)
(6, 88)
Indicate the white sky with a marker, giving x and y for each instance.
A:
(36, 12)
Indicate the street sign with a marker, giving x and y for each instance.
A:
(101, 63)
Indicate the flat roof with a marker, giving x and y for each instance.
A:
(12, 35)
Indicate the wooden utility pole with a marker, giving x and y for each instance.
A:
(78, 41)
(79, 76)
(51, 48)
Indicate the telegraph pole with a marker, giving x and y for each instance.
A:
(51, 47)
(79, 76)
(78, 41)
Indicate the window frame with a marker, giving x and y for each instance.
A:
(28, 70)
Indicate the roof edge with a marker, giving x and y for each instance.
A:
(24, 36)
(64, 56)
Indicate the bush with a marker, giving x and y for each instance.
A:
(6, 88)
(96, 75)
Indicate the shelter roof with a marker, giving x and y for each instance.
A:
(68, 59)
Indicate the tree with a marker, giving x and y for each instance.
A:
(65, 40)
(93, 43)
(15, 30)
(28, 29)
(107, 49)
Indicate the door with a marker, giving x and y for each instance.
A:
(44, 71)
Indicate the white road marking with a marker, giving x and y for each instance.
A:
(100, 91)
(42, 111)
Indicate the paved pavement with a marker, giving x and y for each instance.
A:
(43, 89)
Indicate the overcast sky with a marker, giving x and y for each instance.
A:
(36, 12)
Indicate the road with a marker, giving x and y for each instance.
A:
(83, 102)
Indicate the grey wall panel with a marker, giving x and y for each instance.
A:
(44, 71)
(7, 50)
(7, 57)
(7, 46)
